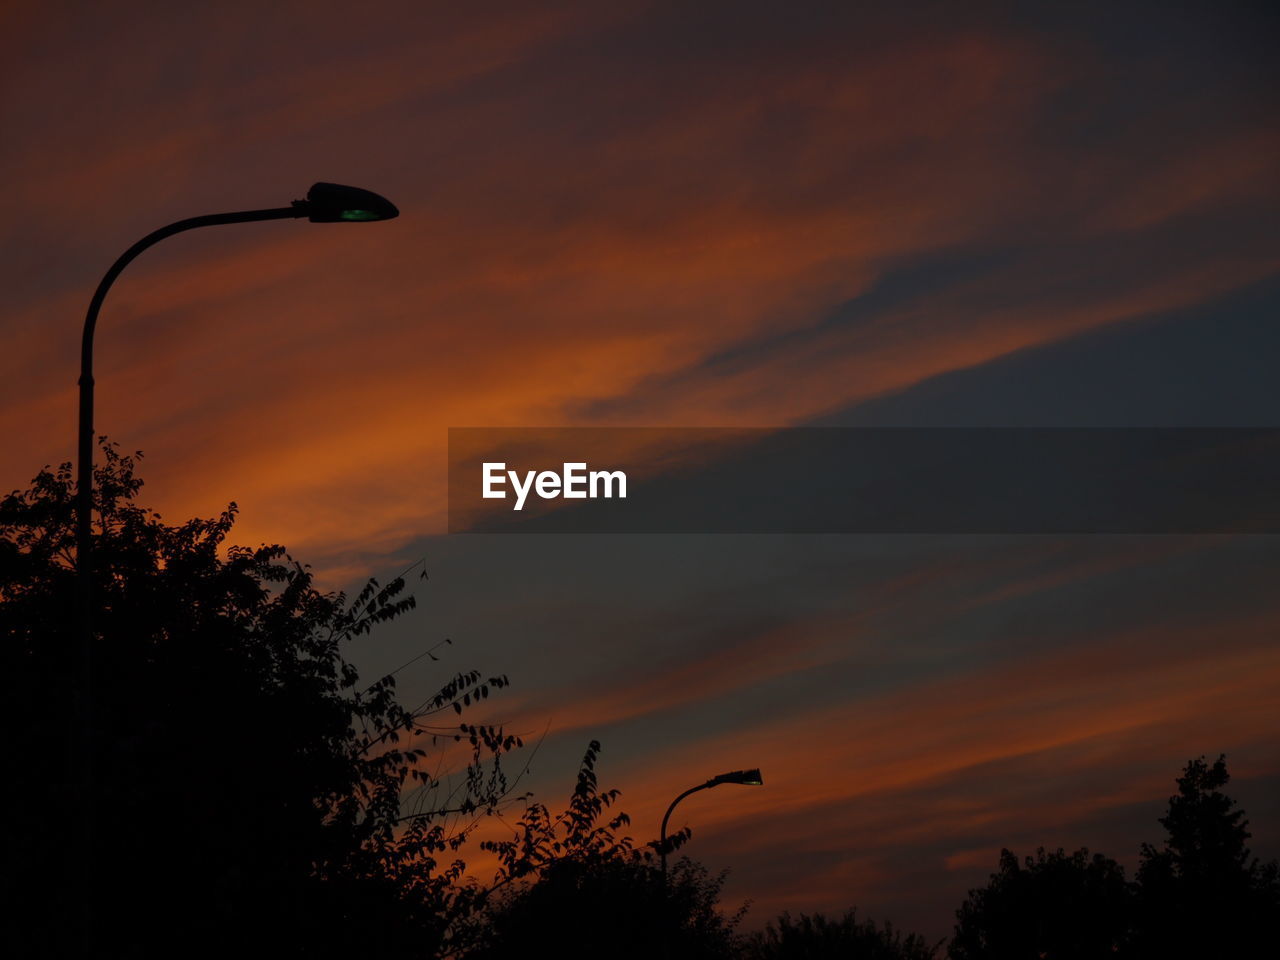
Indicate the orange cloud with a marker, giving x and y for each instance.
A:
(311, 373)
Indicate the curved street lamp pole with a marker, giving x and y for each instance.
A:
(325, 203)
(747, 777)
(84, 456)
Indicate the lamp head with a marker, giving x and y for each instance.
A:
(335, 203)
(749, 778)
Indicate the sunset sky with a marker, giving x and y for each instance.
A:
(698, 214)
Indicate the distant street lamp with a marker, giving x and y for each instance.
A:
(747, 777)
(325, 203)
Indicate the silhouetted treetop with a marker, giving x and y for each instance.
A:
(1202, 892)
(1055, 905)
(1199, 895)
(818, 937)
(246, 782)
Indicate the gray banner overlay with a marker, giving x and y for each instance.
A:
(833, 480)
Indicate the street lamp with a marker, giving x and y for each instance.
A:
(325, 203)
(746, 777)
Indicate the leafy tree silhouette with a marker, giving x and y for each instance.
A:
(1202, 894)
(248, 790)
(573, 887)
(1058, 906)
(818, 937)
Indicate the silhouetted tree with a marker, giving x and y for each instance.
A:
(817, 937)
(1202, 894)
(613, 907)
(1057, 906)
(248, 791)
(570, 887)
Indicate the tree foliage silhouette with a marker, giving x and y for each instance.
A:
(245, 781)
(818, 937)
(573, 887)
(1202, 893)
(1058, 906)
